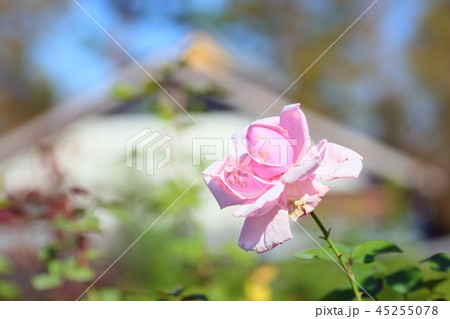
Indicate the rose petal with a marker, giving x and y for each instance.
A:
(269, 145)
(267, 172)
(311, 162)
(271, 198)
(294, 121)
(265, 232)
(240, 137)
(339, 162)
(224, 196)
(232, 185)
(216, 168)
(270, 150)
(308, 193)
(244, 183)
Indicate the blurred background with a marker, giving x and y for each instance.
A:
(71, 97)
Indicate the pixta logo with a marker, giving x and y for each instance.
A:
(148, 150)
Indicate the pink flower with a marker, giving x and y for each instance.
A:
(275, 174)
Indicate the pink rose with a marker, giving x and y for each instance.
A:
(275, 174)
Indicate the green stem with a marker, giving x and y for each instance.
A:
(345, 265)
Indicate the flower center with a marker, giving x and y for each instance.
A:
(238, 178)
(297, 208)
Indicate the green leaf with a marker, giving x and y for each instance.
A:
(195, 297)
(432, 283)
(46, 253)
(340, 295)
(176, 291)
(123, 92)
(372, 285)
(54, 267)
(119, 212)
(8, 290)
(108, 294)
(69, 263)
(46, 281)
(64, 224)
(367, 270)
(366, 251)
(73, 272)
(405, 280)
(80, 274)
(92, 254)
(5, 266)
(439, 262)
(317, 254)
(323, 253)
(88, 223)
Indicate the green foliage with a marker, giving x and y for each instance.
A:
(406, 280)
(366, 251)
(371, 273)
(92, 254)
(108, 294)
(47, 253)
(84, 224)
(177, 294)
(46, 281)
(345, 294)
(58, 270)
(118, 211)
(372, 285)
(362, 253)
(71, 270)
(439, 262)
(361, 259)
(363, 270)
(123, 92)
(5, 266)
(79, 273)
(318, 253)
(8, 290)
(433, 283)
